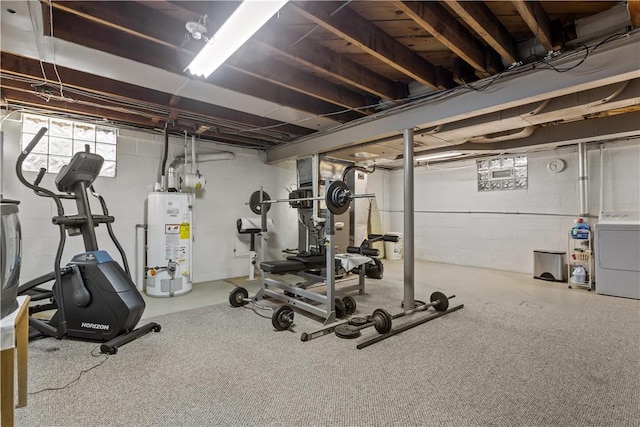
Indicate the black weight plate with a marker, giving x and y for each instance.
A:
(443, 301)
(347, 331)
(282, 318)
(254, 202)
(358, 321)
(349, 305)
(382, 320)
(337, 197)
(340, 309)
(238, 296)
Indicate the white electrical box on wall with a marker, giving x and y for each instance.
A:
(169, 244)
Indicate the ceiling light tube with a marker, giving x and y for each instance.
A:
(248, 18)
(437, 156)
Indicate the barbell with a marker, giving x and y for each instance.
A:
(337, 198)
(281, 319)
(382, 320)
(439, 301)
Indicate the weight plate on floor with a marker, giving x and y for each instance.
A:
(282, 318)
(382, 320)
(443, 301)
(254, 202)
(358, 321)
(349, 305)
(347, 331)
(340, 309)
(238, 296)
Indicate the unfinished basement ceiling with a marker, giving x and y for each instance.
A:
(315, 69)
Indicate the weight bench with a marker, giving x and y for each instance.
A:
(312, 271)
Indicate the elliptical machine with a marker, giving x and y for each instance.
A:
(94, 298)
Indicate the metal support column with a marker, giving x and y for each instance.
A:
(409, 287)
(330, 274)
(583, 180)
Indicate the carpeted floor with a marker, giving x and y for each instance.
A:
(521, 352)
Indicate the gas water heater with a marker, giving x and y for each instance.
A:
(169, 244)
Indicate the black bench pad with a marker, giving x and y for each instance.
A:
(282, 266)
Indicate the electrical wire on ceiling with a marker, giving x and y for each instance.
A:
(412, 102)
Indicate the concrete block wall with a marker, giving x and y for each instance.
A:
(219, 252)
(481, 233)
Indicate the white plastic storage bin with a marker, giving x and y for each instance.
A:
(394, 250)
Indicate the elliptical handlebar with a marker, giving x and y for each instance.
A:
(40, 191)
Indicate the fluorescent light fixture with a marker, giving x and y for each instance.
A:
(437, 156)
(248, 18)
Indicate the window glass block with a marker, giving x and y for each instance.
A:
(34, 162)
(483, 186)
(32, 124)
(108, 169)
(41, 147)
(520, 160)
(65, 138)
(482, 164)
(107, 151)
(60, 146)
(521, 183)
(84, 132)
(56, 163)
(61, 128)
(496, 185)
(521, 172)
(509, 184)
(483, 175)
(79, 146)
(507, 162)
(106, 135)
(494, 164)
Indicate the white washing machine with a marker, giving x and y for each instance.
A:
(617, 252)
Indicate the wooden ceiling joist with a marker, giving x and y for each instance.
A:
(253, 62)
(30, 68)
(478, 16)
(328, 63)
(435, 19)
(70, 28)
(355, 29)
(538, 22)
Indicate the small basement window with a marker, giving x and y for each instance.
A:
(502, 173)
(63, 139)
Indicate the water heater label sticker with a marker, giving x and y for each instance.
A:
(184, 230)
(171, 229)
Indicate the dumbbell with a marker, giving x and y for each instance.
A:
(281, 319)
(345, 306)
(439, 301)
(380, 319)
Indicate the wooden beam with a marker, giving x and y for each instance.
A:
(253, 62)
(463, 73)
(479, 17)
(634, 12)
(111, 40)
(435, 19)
(130, 94)
(128, 17)
(538, 22)
(328, 63)
(352, 27)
